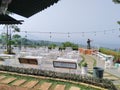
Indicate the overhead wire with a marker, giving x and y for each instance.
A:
(68, 33)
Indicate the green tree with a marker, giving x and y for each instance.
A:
(3, 39)
(52, 46)
(118, 22)
(8, 34)
(69, 44)
(10, 30)
(16, 38)
(116, 1)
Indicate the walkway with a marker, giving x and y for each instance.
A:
(112, 74)
(21, 83)
(89, 61)
(14, 81)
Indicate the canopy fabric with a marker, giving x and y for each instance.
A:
(28, 8)
(5, 19)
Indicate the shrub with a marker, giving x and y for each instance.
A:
(5, 52)
(84, 64)
(105, 83)
(1, 59)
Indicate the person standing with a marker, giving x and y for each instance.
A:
(88, 44)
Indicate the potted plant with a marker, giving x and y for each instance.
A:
(84, 68)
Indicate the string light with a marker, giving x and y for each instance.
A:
(83, 33)
(26, 34)
(95, 33)
(68, 34)
(50, 35)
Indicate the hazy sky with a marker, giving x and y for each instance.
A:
(76, 16)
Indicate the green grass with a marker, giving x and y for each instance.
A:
(110, 52)
(118, 87)
(95, 61)
(52, 86)
(83, 59)
(67, 87)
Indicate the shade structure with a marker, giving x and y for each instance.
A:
(28, 8)
(5, 19)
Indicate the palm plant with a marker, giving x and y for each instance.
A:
(8, 36)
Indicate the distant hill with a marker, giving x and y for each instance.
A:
(39, 42)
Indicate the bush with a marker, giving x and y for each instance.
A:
(5, 52)
(1, 59)
(105, 83)
(84, 64)
(110, 52)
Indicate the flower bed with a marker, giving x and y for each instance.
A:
(105, 83)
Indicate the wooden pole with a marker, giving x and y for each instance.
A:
(7, 38)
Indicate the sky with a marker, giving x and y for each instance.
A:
(76, 21)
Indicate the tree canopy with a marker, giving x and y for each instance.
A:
(116, 1)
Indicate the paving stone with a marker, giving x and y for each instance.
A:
(44, 86)
(114, 73)
(116, 82)
(30, 84)
(7, 80)
(74, 88)
(7, 87)
(90, 61)
(106, 75)
(18, 82)
(112, 78)
(59, 87)
(1, 77)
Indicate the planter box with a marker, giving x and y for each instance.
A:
(84, 70)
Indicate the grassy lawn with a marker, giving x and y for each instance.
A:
(95, 61)
(83, 59)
